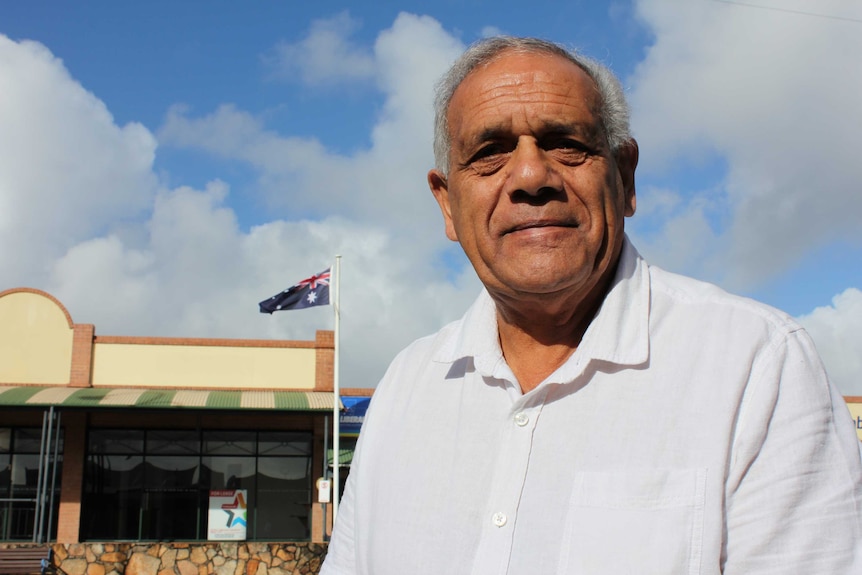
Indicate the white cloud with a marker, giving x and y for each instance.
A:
(376, 208)
(199, 275)
(66, 170)
(232, 133)
(78, 195)
(119, 251)
(384, 184)
(837, 332)
(326, 55)
(679, 232)
(773, 94)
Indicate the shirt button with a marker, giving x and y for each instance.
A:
(522, 419)
(499, 519)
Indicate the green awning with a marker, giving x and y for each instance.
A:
(108, 398)
(345, 457)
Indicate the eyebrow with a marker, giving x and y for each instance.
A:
(550, 128)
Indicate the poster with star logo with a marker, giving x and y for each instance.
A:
(227, 515)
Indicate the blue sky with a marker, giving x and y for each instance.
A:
(166, 165)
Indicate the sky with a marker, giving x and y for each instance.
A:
(165, 166)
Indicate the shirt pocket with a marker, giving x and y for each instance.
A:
(638, 522)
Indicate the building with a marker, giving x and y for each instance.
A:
(139, 440)
(107, 438)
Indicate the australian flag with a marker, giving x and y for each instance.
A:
(307, 293)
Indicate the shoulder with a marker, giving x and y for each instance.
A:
(472, 334)
(423, 352)
(683, 298)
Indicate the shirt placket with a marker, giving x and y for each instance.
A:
(510, 472)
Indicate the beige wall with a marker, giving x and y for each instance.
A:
(39, 344)
(212, 367)
(35, 340)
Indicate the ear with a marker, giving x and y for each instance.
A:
(627, 162)
(440, 188)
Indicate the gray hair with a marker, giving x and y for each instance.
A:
(613, 111)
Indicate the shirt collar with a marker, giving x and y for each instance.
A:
(619, 333)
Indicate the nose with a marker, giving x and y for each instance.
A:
(532, 175)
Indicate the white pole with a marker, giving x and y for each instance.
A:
(336, 411)
(325, 474)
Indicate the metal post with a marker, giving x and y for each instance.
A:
(325, 465)
(47, 419)
(336, 392)
(53, 477)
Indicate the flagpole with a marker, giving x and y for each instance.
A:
(336, 411)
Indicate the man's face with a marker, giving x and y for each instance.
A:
(533, 194)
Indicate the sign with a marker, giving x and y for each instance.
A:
(854, 404)
(227, 515)
(324, 488)
(353, 415)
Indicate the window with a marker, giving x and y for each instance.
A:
(155, 484)
(19, 480)
(347, 447)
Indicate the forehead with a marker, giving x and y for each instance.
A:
(534, 87)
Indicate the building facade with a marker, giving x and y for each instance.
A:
(109, 438)
(181, 455)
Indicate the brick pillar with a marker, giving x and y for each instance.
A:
(324, 343)
(82, 355)
(71, 484)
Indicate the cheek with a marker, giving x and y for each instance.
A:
(451, 232)
(460, 228)
(476, 208)
(613, 201)
(465, 214)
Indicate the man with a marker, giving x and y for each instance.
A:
(589, 414)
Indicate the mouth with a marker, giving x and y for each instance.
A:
(538, 224)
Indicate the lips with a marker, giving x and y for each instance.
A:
(541, 223)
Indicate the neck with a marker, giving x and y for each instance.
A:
(539, 333)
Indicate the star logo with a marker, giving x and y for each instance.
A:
(235, 511)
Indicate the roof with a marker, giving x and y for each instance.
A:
(113, 398)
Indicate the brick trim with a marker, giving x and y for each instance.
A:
(324, 368)
(82, 355)
(357, 391)
(203, 342)
(72, 481)
(43, 294)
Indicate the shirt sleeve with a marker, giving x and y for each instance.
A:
(348, 550)
(794, 491)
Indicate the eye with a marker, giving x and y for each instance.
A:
(486, 151)
(567, 150)
(489, 158)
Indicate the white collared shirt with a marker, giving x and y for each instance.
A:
(692, 432)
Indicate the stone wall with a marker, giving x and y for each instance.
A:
(188, 558)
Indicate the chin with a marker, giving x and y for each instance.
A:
(539, 283)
